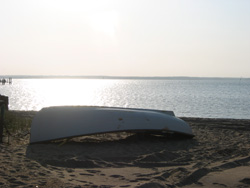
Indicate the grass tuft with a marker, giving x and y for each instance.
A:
(16, 123)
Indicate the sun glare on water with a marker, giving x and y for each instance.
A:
(60, 92)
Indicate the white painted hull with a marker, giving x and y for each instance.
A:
(54, 123)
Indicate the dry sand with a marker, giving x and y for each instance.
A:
(218, 156)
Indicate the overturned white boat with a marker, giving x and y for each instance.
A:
(59, 122)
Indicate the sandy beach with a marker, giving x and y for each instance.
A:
(218, 156)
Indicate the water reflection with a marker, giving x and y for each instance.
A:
(224, 98)
(39, 93)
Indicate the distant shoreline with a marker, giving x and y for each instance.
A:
(119, 77)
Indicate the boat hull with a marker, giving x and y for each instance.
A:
(54, 123)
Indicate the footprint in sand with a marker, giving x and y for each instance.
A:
(41, 174)
(142, 179)
(83, 174)
(70, 170)
(23, 177)
(15, 181)
(220, 184)
(245, 181)
(93, 171)
(116, 176)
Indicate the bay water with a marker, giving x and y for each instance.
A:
(187, 97)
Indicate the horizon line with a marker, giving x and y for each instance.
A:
(116, 77)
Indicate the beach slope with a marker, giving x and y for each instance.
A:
(218, 156)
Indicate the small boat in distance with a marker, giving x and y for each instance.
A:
(53, 123)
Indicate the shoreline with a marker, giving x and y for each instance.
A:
(31, 113)
(218, 156)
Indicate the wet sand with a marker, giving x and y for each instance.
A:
(218, 156)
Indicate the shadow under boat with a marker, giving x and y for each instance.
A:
(113, 150)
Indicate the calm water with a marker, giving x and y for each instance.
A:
(214, 98)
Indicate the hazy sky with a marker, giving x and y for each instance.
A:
(125, 38)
